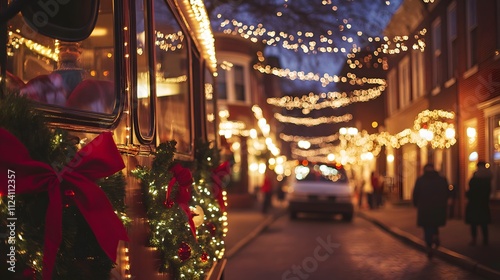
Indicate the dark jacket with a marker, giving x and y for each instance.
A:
(477, 210)
(430, 196)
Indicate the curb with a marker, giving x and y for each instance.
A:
(254, 233)
(444, 253)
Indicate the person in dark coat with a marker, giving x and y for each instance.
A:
(430, 196)
(477, 211)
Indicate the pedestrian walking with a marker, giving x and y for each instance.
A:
(360, 192)
(378, 190)
(267, 191)
(477, 210)
(430, 196)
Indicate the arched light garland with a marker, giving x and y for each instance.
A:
(313, 121)
(325, 100)
(397, 44)
(325, 78)
(442, 134)
(300, 153)
(350, 149)
(299, 41)
(311, 140)
(302, 41)
(435, 122)
(381, 63)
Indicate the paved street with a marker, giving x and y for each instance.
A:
(371, 247)
(315, 248)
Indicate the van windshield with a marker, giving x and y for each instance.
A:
(320, 173)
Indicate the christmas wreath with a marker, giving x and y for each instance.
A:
(52, 229)
(186, 210)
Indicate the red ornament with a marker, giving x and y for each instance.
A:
(204, 257)
(29, 273)
(69, 196)
(211, 228)
(168, 204)
(184, 251)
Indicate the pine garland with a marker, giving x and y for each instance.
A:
(183, 256)
(79, 256)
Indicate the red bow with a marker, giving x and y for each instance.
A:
(98, 159)
(183, 177)
(218, 174)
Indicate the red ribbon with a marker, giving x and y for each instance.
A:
(183, 177)
(98, 159)
(218, 175)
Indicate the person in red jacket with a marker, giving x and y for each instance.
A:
(267, 191)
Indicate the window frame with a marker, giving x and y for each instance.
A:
(417, 73)
(392, 91)
(472, 26)
(437, 45)
(244, 62)
(404, 84)
(497, 25)
(452, 40)
(89, 121)
(143, 139)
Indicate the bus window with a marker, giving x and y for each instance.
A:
(172, 76)
(145, 102)
(78, 75)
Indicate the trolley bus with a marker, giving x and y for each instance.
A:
(143, 70)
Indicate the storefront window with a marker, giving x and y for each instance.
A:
(496, 157)
(76, 74)
(471, 148)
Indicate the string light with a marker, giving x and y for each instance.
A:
(16, 40)
(302, 41)
(312, 140)
(198, 18)
(325, 100)
(313, 121)
(351, 147)
(325, 78)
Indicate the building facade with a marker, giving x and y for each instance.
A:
(248, 131)
(444, 61)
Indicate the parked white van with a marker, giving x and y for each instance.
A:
(320, 188)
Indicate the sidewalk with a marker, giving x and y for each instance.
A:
(247, 223)
(400, 221)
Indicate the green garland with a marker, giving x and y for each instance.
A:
(79, 256)
(181, 255)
